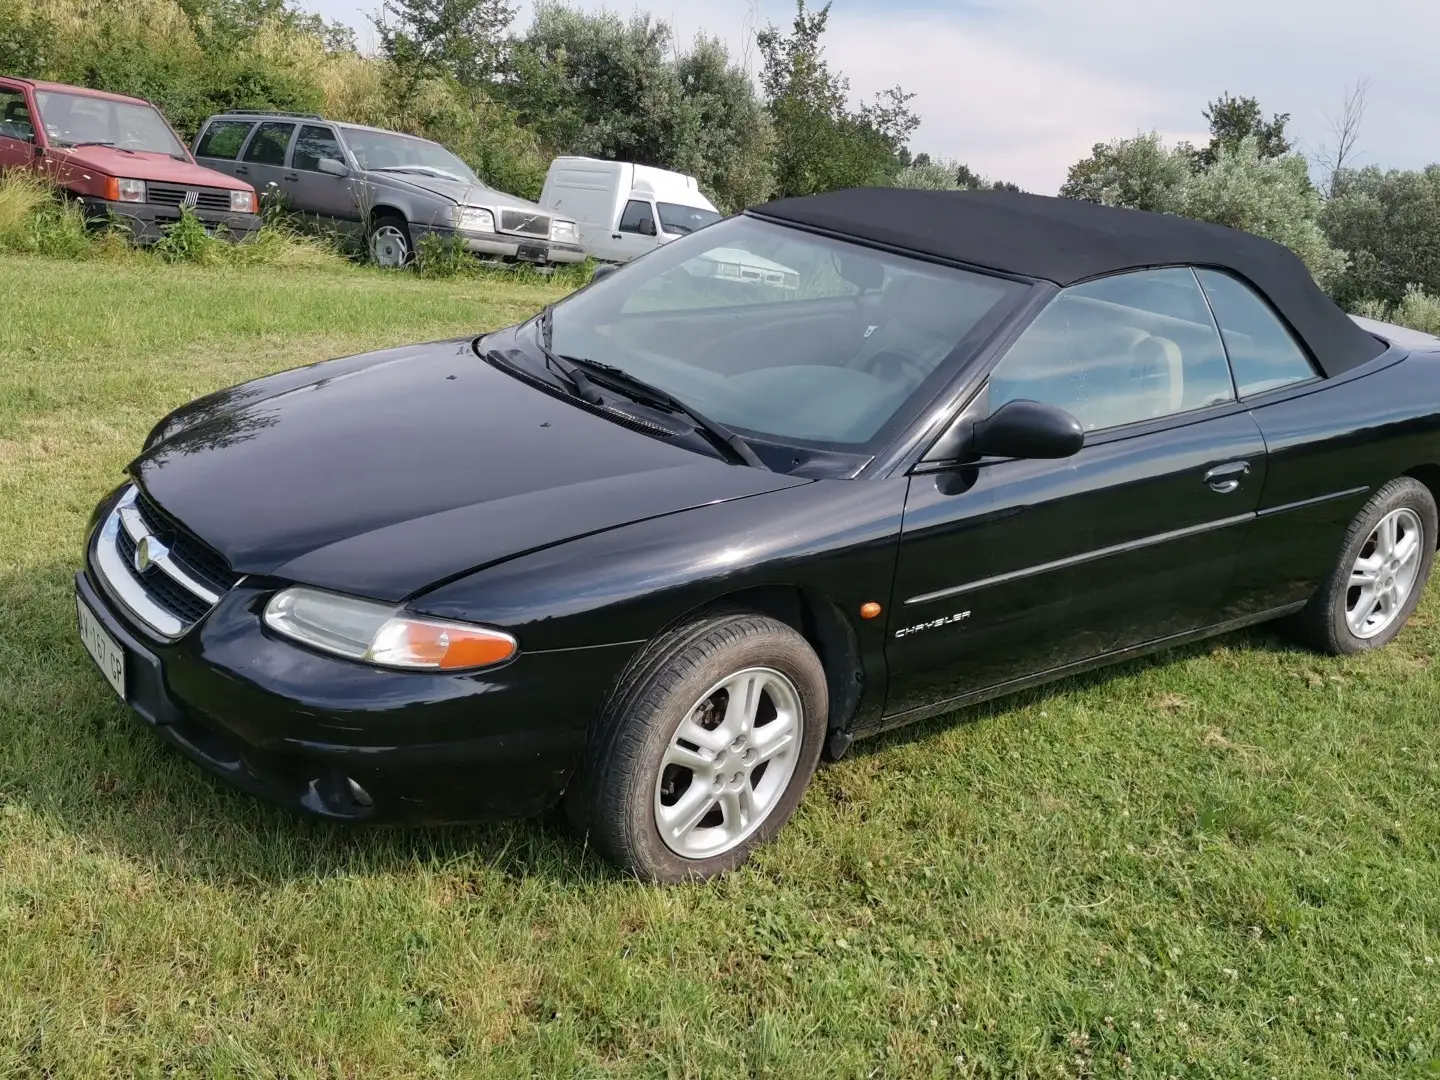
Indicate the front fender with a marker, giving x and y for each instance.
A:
(833, 540)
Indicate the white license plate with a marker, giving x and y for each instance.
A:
(103, 649)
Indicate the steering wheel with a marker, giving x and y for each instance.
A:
(896, 365)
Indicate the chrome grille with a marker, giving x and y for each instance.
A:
(525, 222)
(205, 198)
(177, 579)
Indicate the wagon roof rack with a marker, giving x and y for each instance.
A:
(272, 112)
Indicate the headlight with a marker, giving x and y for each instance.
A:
(129, 190)
(564, 232)
(383, 634)
(242, 202)
(474, 219)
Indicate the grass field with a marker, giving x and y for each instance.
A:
(1224, 862)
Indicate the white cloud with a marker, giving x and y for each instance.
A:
(1023, 88)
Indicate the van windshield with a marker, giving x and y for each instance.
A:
(785, 334)
(680, 220)
(73, 119)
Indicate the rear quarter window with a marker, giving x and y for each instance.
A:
(223, 139)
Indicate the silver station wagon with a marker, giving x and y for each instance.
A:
(381, 186)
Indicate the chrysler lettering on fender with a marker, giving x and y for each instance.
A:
(933, 624)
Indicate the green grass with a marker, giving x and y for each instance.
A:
(1221, 863)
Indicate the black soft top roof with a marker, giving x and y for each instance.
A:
(1067, 241)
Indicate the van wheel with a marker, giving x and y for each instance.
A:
(704, 750)
(390, 244)
(1380, 575)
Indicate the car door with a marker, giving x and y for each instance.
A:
(1317, 476)
(635, 233)
(326, 200)
(220, 144)
(17, 128)
(1012, 568)
(262, 162)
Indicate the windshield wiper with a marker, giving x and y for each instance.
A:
(584, 389)
(100, 142)
(432, 170)
(622, 382)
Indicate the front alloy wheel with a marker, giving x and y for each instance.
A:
(728, 763)
(705, 748)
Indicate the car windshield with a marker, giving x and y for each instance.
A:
(385, 150)
(70, 119)
(784, 334)
(679, 220)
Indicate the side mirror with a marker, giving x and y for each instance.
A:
(647, 227)
(604, 270)
(1027, 429)
(331, 167)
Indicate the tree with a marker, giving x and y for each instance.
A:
(1389, 223)
(1140, 173)
(463, 39)
(596, 84)
(1337, 156)
(945, 174)
(1234, 119)
(821, 144)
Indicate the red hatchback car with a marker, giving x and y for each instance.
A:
(119, 157)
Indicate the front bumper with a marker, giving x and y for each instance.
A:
(511, 248)
(349, 742)
(147, 223)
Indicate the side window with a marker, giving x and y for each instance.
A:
(312, 144)
(1118, 351)
(15, 116)
(269, 144)
(1263, 354)
(223, 139)
(635, 215)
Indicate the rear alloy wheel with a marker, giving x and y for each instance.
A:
(705, 749)
(390, 243)
(1381, 573)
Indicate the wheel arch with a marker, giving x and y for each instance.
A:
(1429, 475)
(817, 619)
(384, 210)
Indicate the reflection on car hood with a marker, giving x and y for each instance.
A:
(384, 474)
(152, 168)
(460, 192)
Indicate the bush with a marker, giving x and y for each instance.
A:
(1389, 222)
(35, 220)
(1417, 309)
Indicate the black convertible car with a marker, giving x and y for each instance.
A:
(831, 466)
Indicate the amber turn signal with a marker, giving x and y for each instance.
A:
(870, 610)
(422, 643)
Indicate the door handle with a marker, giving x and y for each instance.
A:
(616, 236)
(241, 170)
(1226, 478)
(291, 177)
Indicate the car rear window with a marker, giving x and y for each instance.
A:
(223, 139)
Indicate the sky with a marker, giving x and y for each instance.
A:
(1021, 89)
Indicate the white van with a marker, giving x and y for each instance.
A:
(625, 210)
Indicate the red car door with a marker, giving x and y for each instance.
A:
(17, 127)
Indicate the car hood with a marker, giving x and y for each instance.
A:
(156, 168)
(461, 192)
(383, 475)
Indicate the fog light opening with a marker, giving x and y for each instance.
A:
(358, 793)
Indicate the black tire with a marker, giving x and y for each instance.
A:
(1323, 621)
(392, 226)
(615, 796)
